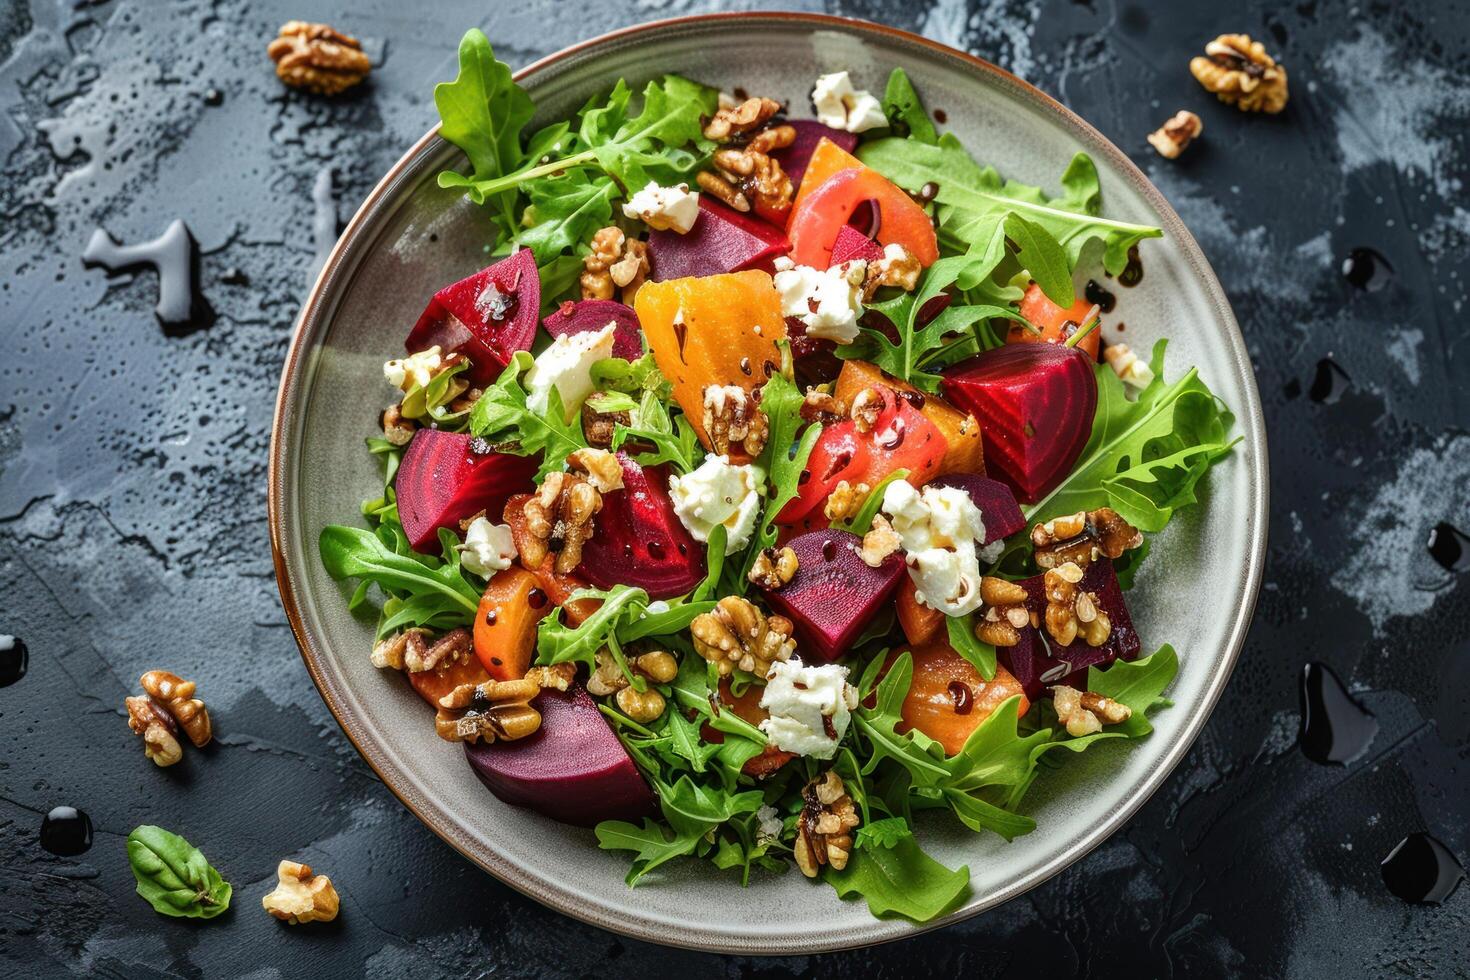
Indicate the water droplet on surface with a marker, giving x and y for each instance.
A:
(66, 831)
(1366, 268)
(15, 659)
(1449, 546)
(1422, 870)
(1334, 727)
(1330, 383)
(181, 307)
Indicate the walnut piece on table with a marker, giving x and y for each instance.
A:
(317, 58)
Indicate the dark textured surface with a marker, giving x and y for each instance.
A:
(133, 529)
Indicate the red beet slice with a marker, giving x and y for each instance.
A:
(1038, 663)
(573, 769)
(441, 481)
(1035, 403)
(834, 594)
(487, 317)
(853, 244)
(814, 359)
(996, 503)
(809, 133)
(584, 316)
(722, 240)
(639, 539)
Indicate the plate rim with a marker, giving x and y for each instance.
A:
(1249, 417)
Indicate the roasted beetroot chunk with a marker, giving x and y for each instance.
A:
(853, 244)
(587, 315)
(441, 481)
(1038, 663)
(487, 317)
(1035, 403)
(809, 133)
(573, 769)
(995, 501)
(722, 240)
(639, 539)
(834, 594)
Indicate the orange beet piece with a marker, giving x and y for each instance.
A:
(920, 623)
(1056, 323)
(961, 430)
(948, 699)
(505, 623)
(558, 587)
(432, 685)
(827, 159)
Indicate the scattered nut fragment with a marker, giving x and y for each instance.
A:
(599, 427)
(392, 652)
(1174, 137)
(658, 666)
(176, 695)
(615, 263)
(772, 568)
(845, 500)
(1005, 613)
(317, 58)
(641, 706)
(1131, 369)
(1084, 537)
(722, 189)
(557, 676)
(559, 520)
(740, 118)
(411, 651)
(151, 720)
(898, 267)
(880, 542)
(301, 896)
(821, 406)
(491, 710)
(1070, 612)
(1086, 712)
(824, 829)
(599, 467)
(867, 405)
(732, 418)
(397, 429)
(1241, 73)
(737, 634)
(755, 174)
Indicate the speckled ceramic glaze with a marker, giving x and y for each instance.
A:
(409, 238)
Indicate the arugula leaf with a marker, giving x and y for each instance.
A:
(962, 638)
(883, 833)
(900, 880)
(557, 643)
(673, 438)
(672, 115)
(174, 876)
(501, 418)
(353, 552)
(905, 112)
(862, 522)
(567, 210)
(1040, 254)
(1145, 457)
(692, 811)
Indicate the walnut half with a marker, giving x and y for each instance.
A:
(824, 830)
(494, 710)
(300, 896)
(559, 520)
(737, 634)
(732, 418)
(317, 58)
(1240, 73)
(177, 696)
(1174, 137)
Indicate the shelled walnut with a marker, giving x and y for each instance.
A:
(737, 634)
(559, 520)
(411, 650)
(600, 427)
(824, 829)
(300, 896)
(558, 677)
(823, 407)
(616, 264)
(656, 667)
(397, 428)
(752, 175)
(743, 117)
(1070, 612)
(318, 58)
(773, 568)
(845, 500)
(151, 720)
(490, 711)
(880, 542)
(732, 418)
(1240, 73)
(898, 267)
(1084, 537)
(599, 468)
(866, 406)
(1085, 712)
(1004, 612)
(1174, 137)
(177, 697)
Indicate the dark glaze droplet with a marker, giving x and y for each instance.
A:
(740, 93)
(928, 192)
(681, 334)
(174, 255)
(1103, 297)
(66, 831)
(1421, 870)
(683, 548)
(892, 437)
(1366, 268)
(801, 480)
(914, 398)
(963, 700)
(213, 97)
(1330, 383)
(536, 598)
(770, 369)
(15, 659)
(497, 661)
(829, 550)
(1449, 546)
(745, 367)
(1132, 273)
(1334, 727)
(492, 616)
(940, 116)
(656, 550)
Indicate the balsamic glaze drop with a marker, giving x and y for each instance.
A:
(175, 256)
(1334, 727)
(656, 550)
(829, 550)
(213, 97)
(960, 694)
(1104, 298)
(536, 598)
(1330, 383)
(15, 659)
(1420, 869)
(1449, 546)
(1367, 269)
(66, 831)
(1132, 273)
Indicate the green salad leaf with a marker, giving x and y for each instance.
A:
(174, 876)
(900, 880)
(883, 833)
(566, 212)
(429, 591)
(905, 111)
(502, 418)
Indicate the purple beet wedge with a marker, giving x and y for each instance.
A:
(587, 315)
(487, 317)
(995, 501)
(834, 594)
(852, 244)
(1035, 403)
(809, 133)
(441, 481)
(573, 769)
(722, 240)
(639, 539)
(1038, 663)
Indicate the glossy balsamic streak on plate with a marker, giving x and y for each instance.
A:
(1334, 727)
(1100, 296)
(66, 831)
(15, 659)
(1421, 870)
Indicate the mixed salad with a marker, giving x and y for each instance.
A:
(773, 483)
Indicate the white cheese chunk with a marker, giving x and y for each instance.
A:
(718, 493)
(941, 530)
(841, 106)
(415, 370)
(567, 366)
(488, 548)
(809, 707)
(828, 301)
(664, 208)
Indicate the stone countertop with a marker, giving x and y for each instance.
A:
(133, 521)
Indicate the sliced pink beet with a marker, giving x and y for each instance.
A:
(1035, 403)
(809, 133)
(487, 317)
(573, 769)
(722, 240)
(587, 315)
(852, 244)
(441, 481)
(834, 594)
(639, 539)
(995, 501)
(1038, 663)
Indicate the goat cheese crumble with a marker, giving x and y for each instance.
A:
(567, 366)
(718, 493)
(828, 301)
(810, 707)
(415, 370)
(841, 106)
(941, 530)
(664, 208)
(488, 548)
